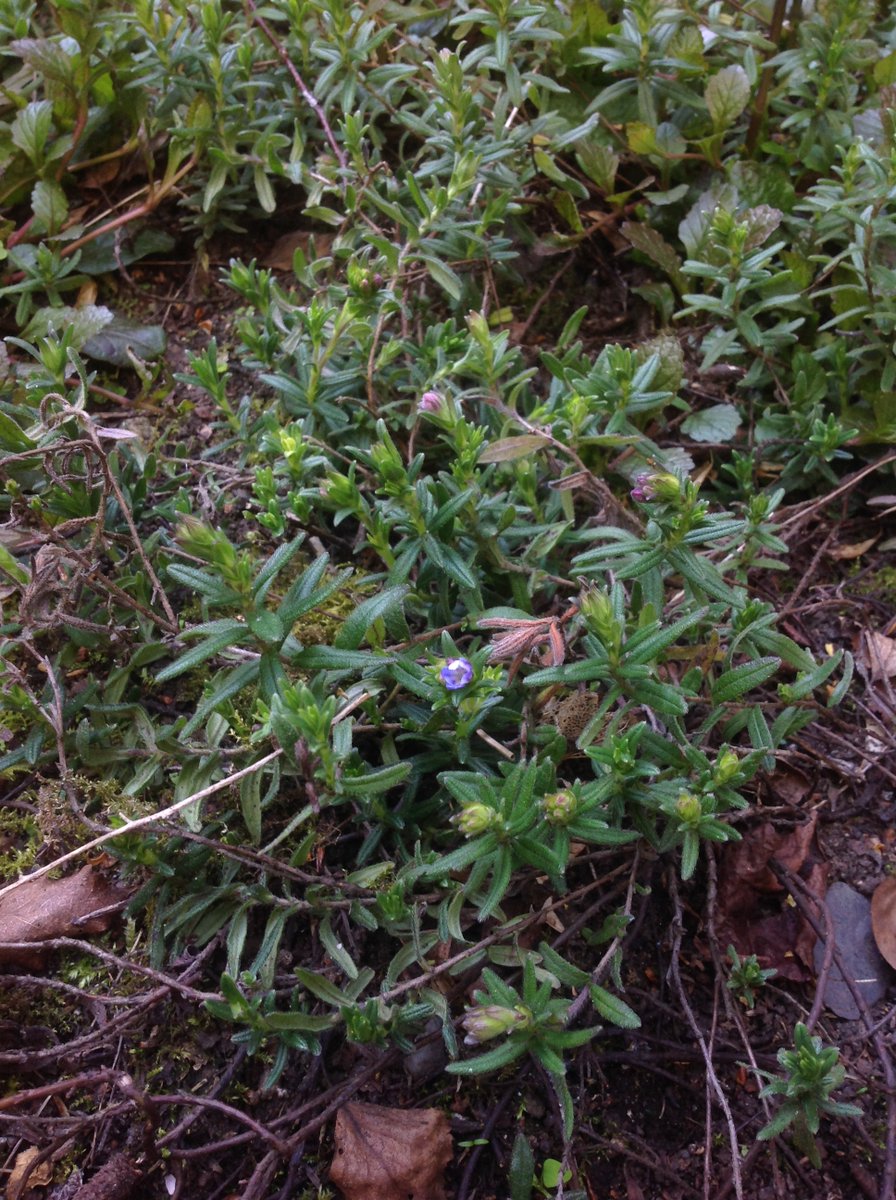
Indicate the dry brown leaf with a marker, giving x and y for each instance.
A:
(22, 1178)
(854, 550)
(883, 919)
(391, 1153)
(43, 908)
(878, 654)
(753, 914)
(280, 255)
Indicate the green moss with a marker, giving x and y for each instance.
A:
(20, 840)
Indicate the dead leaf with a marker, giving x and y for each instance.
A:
(753, 913)
(43, 908)
(391, 1153)
(855, 550)
(883, 918)
(281, 254)
(878, 654)
(21, 1177)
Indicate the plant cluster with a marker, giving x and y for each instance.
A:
(414, 534)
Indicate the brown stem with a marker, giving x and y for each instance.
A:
(765, 83)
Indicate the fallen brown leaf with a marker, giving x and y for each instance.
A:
(883, 919)
(753, 914)
(42, 909)
(391, 1153)
(878, 654)
(22, 1178)
(853, 550)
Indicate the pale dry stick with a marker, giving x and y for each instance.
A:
(142, 822)
(677, 931)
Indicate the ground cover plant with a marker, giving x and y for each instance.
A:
(446, 497)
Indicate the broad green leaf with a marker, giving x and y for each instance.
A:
(726, 96)
(12, 436)
(655, 247)
(718, 423)
(31, 129)
(123, 340)
(49, 205)
(85, 323)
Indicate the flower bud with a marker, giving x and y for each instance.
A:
(689, 808)
(430, 402)
(560, 807)
(456, 674)
(487, 1021)
(727, 767)
(656, 485)
(475, 818)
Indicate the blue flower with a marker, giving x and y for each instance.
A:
(456, 674)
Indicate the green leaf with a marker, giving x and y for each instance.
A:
(285, 1022)
(123, 340)
(335, 948)
(111, 251)
(520, 1177)
(12, 567)
(232, 684)
(739, 680)
(374, 782)
(49, 205)
(85, 323)
(612, 1009)
(12, 436)
(654, 246)
(353, 630)
(493, 1060)
(329, 658)
(322, 988)
(267, 627)
(250, 805)
(726, 96)
(444, 277)
(508, 449)
(217, 636)
(718, 423)
(31, 129)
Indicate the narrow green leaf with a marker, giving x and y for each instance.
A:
(353, 630)
(508, 449)
(322, 988)
(612, 1009)
(739, 680)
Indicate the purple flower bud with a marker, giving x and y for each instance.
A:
(430, 402)
(643, 489)
(456, 674)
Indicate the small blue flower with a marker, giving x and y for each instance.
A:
(456, 674)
